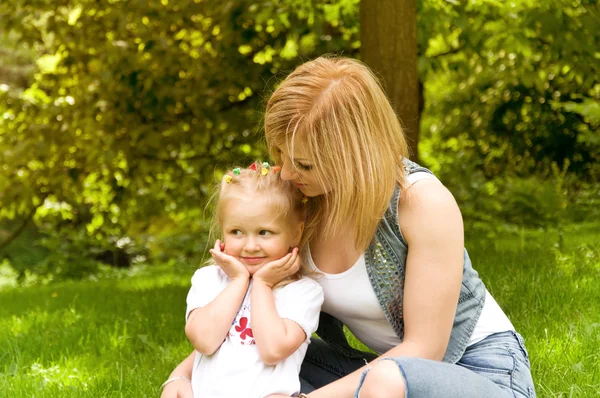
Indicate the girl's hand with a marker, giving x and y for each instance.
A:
(178, 389)
(275, 271)
(229, 264)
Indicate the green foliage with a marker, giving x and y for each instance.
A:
(512, 87)
(115, 118)
(135, 105)
(506, 202)
(584, 201)
(26, 251)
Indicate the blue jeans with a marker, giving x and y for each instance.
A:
(497, 366)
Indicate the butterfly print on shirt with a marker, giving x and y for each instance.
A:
(243, 329)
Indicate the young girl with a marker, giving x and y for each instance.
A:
(250, 331)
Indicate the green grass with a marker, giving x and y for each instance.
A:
(121, 337)
(547, 283)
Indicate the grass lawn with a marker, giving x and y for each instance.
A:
(121, 337)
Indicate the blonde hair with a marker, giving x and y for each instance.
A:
(337, 109)
(260, 178)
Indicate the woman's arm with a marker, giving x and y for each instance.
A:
(180, 388)
(432, 226)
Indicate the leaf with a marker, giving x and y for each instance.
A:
(74, 15)
(588, 108)
(48, 63)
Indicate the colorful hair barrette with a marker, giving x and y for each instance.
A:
(252, 166)
(228, 178)
(236, 171)
(304, 200)
(276, 169)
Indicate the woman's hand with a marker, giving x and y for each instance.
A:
(178, 389)
(229, 264)
(275, 271)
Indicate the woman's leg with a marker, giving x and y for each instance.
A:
(323, 365)
(498, 366)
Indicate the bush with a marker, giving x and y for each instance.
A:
(505, 202)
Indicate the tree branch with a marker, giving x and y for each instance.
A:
(21, 228)
(449, 52)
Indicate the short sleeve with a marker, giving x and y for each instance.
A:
(301, 302)
(207, 283)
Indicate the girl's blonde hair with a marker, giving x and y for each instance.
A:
(336, 108)
(261, 178)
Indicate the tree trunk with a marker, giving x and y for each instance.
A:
(388, 35)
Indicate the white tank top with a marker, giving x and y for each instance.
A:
(350, 298)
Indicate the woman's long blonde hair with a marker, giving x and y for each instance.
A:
(336, 108)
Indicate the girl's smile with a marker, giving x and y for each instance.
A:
(252, 260)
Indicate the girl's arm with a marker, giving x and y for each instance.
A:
(276, 338)
(432, 226)
(208, 325)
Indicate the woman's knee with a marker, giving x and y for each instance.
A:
(384, 380)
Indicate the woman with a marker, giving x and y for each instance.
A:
(387, 238)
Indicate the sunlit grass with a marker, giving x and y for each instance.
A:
(547, 282)
(115, 337)
(121, 336)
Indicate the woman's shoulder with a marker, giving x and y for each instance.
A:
(424, 189)
(425, 204)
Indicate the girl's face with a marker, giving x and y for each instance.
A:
(255, 234)
(299, 169)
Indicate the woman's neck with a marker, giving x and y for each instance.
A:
(334, 253)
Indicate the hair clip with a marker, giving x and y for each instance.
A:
(228, 178)
(252, 166)
(236, 171)
(304, 200)
(276, 169)
(265, 168)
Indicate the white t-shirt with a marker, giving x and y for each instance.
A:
(349, 297)
(236, 369)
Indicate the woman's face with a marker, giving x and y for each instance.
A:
(299, 168)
